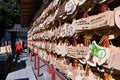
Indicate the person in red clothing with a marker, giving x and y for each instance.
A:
(19, 50)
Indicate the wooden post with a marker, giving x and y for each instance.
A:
(31, 55)
(48, 66)
(35, 61)
(38, 72)
(49, 69)
(53, 73)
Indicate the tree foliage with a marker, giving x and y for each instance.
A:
(9, 14)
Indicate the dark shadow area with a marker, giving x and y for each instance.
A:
(41, 74)
(22, 79)
(42, 66)
(5, 65)
(34, 73)
(18, 66)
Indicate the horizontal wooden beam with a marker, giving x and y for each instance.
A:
(27, 1)
(26, 6)
(27, 20)
(28, 9)
(25, 16)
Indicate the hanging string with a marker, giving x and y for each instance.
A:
(107, 76)
(110, 42)
(87, 70)
(104, 41)
(75, 62)
(85, 14)
(87, 41)
(74, 42)
(86, 38)
(103, 8)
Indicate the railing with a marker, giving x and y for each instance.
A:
(50, 68)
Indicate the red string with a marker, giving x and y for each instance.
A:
(103, 8)
(85, 14)
(75, 42)
(86, 41)
(105, 41)
(75, 64)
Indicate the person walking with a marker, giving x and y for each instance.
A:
(19, 50)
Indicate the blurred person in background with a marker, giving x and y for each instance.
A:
(19, 50)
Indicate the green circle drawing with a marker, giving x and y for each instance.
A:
(101, 54)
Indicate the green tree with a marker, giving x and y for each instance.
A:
(9, 14)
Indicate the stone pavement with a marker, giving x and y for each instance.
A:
(24, 70)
